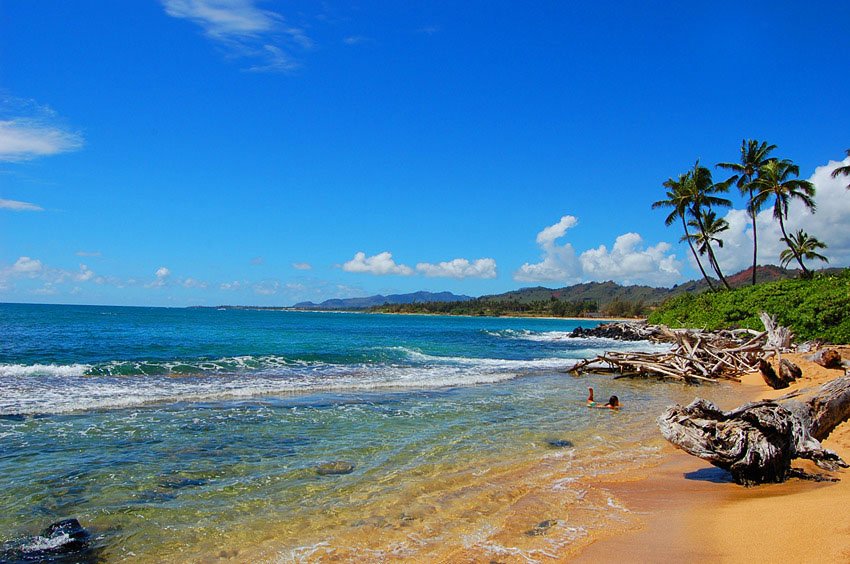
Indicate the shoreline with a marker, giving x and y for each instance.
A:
(692, 511)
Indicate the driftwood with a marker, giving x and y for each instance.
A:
(768, 374)
(788, 371)
(697, 356)
(757, 442)
(778, 337)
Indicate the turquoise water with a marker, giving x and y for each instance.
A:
(176, 434)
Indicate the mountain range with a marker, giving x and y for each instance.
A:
(600, 292)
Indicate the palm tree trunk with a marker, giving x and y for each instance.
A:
(806, 272)
(755, 237)
(694, 251)
(711, 258)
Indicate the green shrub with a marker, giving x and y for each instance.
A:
(817, 308)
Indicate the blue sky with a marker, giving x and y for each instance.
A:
(182, 152)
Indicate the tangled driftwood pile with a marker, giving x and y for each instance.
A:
(696, 356)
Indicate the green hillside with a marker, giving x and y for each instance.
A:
(817, 308)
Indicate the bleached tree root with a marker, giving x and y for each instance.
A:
(758, 441)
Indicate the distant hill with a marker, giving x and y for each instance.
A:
(379, 300)
(598, 292)
(604, 293)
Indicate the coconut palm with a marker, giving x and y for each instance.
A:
(679, 199)
(753, 156)
(801, 244)
(712, 226)
(775, 180)
(703, 195)
(845, 170)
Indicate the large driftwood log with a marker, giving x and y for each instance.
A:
(757, 442)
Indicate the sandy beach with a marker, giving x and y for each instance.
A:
(691, 512)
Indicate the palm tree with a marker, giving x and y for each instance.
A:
(775, 181)
(845, 170)
(703, 195)
(711, 228)
(753, 156)
(803, 245)
(679, 199)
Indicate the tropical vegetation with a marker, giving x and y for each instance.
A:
(694, 198)
(814, 308)
(845, 170)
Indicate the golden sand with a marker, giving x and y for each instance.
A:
(690, 515)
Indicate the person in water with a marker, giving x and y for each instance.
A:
(613, 401)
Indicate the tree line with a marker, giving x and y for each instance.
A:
(553, 307)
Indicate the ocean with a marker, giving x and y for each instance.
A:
(199, 435)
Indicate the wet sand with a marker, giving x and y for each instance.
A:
(691, 512)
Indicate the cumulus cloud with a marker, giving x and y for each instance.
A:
(88, 254)
(26, 266)
(380, 264)
(558, 262)
(460, 268)
(302, 266)
(245, 30)
(628, 261)
(17, 206)
(162, 274)
(829, 224)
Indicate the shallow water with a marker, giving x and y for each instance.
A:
(447, 422)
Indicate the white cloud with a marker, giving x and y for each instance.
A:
(228, 286)
(267, 287)
(379, 264)
(26, 266)
(302, 266)
(162, 274)
(23, 139)
(245, 30)
(85, 274)
(549, 235)
(193, 283)
(15, 205)
(257, 261)
(829, 224)
(627, 262)
(88, 253)
(559, 261)
(460, 268)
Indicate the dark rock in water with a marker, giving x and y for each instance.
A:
(63, 541)
(180, 483)
(618, 331)
(541, 528)
(559, 443)
(336, 467)
(77, 535)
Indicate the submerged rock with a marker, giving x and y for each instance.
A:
(333, 468)
(559, 443)
(541, 528)
(63, 541)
